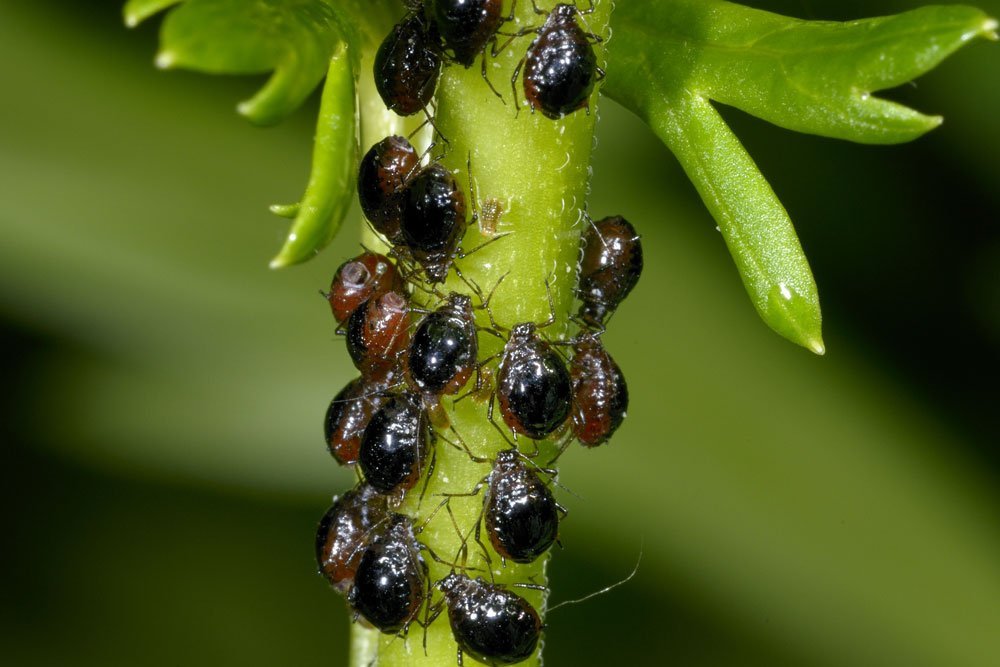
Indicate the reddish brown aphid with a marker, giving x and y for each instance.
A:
(377, 334)
(382, 177)
(600, 395)
(344, 532)
(357, 280)
(348, 416)
(407, 65)
(610, 266)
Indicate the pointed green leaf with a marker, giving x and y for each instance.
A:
(669, 59)
(292, 38)
(331, 183)
(753, 222)
(137, 11)
(809, 76)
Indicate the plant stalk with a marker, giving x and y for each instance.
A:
(538, 171)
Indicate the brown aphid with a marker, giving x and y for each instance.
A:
(382, 177)
(600, 394)
(348, 416)
(344, 532)
(357, 280)
(407, 65)
(377, 335)
(610, 266)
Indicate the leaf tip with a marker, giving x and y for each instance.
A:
(245, 109)
(284, 210)
(989, 29)
(291, 253)
(816, 346)
(795, 315)
(131, 20)
(165, 60)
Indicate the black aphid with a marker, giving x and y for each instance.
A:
(492, 624)
(533, 385)
(391, 581)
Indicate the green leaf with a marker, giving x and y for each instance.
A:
(753, 222)
(331, 184)
(137, 11)
(294, 38)
(670, 59)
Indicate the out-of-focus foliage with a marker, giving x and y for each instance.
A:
(792, 510)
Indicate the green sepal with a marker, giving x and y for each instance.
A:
(331, 184)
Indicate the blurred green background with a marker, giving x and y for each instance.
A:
(163, 391)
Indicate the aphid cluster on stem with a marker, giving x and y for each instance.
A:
(559, 66)
(415, 346)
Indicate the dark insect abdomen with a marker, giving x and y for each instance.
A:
(466, 26)
(521, 517)
(535, 394)
(496, 627)
(389, 585)
(407, 66)
(442, 354)
(559, 71)
(394, 446)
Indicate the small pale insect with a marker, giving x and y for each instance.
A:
(490, 212)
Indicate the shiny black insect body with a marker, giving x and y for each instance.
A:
(395, 445)
(560, 66)
(467, 26)
(378, 334)
(407, 65)
(610, 266)
(344, 532)
(492, 624)
(434, 220)
(443, 348)
(600, 394)
(382, 177)
(348, 416)
(533, 385)
(519, 511)
(391, 582)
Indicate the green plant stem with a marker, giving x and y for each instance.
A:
(538, 170)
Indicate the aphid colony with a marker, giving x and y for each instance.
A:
(388, 422)
(559, 66)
